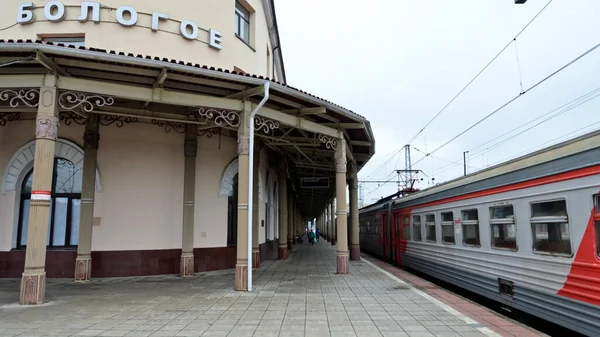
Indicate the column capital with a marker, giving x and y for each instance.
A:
(190, 147)
(91, 140)
(46, 127)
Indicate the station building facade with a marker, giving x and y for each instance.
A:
(125, 141)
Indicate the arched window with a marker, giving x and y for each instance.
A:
(232, 213)
(63, 223)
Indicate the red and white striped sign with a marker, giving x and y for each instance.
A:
(40, 195)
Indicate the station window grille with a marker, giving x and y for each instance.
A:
(470, 227)
(417, 228)
(550, 228)
(448, 228)
(503, 227)
(430, 227)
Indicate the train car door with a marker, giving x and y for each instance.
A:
(396, 239)
(384, 235)
(404, 230)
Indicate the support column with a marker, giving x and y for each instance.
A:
(341, 212)
(33, 281)
(354, 242)
(91, 138)
(291, 233)
(332, 222)
(283, 210)
(255, 209)
(189, 193)
(241, 266)
(294, 223)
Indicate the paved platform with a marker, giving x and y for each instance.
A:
(300, 297)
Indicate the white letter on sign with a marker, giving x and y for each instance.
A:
(183, 28)
(24, 14)
(85, 11)
(121, 18)
(215, 39)
(155, 17)
(50, 8)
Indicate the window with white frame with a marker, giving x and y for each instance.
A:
(430, 227)
(503, 227)
(550, 227)
(417, 228)
(470, 227)
(448, 228)
(242, 22)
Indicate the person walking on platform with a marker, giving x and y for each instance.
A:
(311, 237)
(317, 235)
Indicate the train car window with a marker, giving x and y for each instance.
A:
(503, 227)
(417, 228)
(470, 227)
(430, 227)
(550, 227)
(448, 228)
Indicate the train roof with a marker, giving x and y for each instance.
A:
(572, 154)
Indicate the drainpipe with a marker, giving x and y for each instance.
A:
(267, 84)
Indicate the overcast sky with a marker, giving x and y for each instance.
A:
(398, 62)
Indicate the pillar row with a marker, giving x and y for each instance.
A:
(282, 253)
(33, 281)
(341, 212)
(354, 242)
(91, 139)
(189, 192)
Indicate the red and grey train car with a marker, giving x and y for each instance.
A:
(525, 233)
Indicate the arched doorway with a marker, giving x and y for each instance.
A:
(63, 223)
(232, 214)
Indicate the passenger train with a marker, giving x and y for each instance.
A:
(525, 233)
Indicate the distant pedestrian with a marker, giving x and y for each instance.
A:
(317, 235)
(311, 237)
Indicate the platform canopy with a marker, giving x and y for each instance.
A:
(302, 128)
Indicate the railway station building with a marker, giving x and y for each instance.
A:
(132, 132)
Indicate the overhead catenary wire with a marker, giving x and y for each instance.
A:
(478, 74)
(510, 101)
(567, 107)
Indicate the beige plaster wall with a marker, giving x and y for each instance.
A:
(167, 42)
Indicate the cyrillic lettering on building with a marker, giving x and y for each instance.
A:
(86, 6)
(183, 29)
(215, 39)
(133, 16)
(24, 13)
(156, 16)
(54, 11)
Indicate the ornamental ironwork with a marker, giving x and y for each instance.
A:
(70, 117)
(9, 117)
(220, 117)
(208, 132)
(169, 126)
(330, 142)
(71, 100)
(28, 97)
(265, 125)
(119, 121)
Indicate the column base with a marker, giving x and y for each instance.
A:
(33, 288)
(355, 253)
(186, 265)
(241, 277)
(282, 252)
(255, 258)
(343, 266)
(83, 269)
